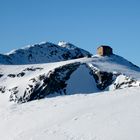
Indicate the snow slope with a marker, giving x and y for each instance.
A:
(81, 82)
(115, 63)
(113, 115)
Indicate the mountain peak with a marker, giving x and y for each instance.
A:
(66, 45)
(43, 53)
(62, 43)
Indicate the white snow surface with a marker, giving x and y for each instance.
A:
(115, 63)
(66, 45)
(111, 115)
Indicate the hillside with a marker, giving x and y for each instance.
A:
(112, 115)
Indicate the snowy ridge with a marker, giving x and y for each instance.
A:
(115, 63)
(43, 53)
(24, 83)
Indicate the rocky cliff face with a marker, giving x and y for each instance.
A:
(46, 84)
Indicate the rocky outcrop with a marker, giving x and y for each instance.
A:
(103, 79)
(122, 81)
(46, 84)
(112, 80)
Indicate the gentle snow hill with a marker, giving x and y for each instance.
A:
(43, 53)
(112, 115)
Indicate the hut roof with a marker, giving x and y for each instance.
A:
(104, 46)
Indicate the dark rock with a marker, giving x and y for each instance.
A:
(2, 89)
(1, 75)
(12, 75)
(13, 96)
(21, 74)
(102, 78)
(32, 69)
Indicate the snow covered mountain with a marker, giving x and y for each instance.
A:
(96, 110)
(43, 53)
(25, 83)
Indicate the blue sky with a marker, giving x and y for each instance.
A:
(85, 23)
